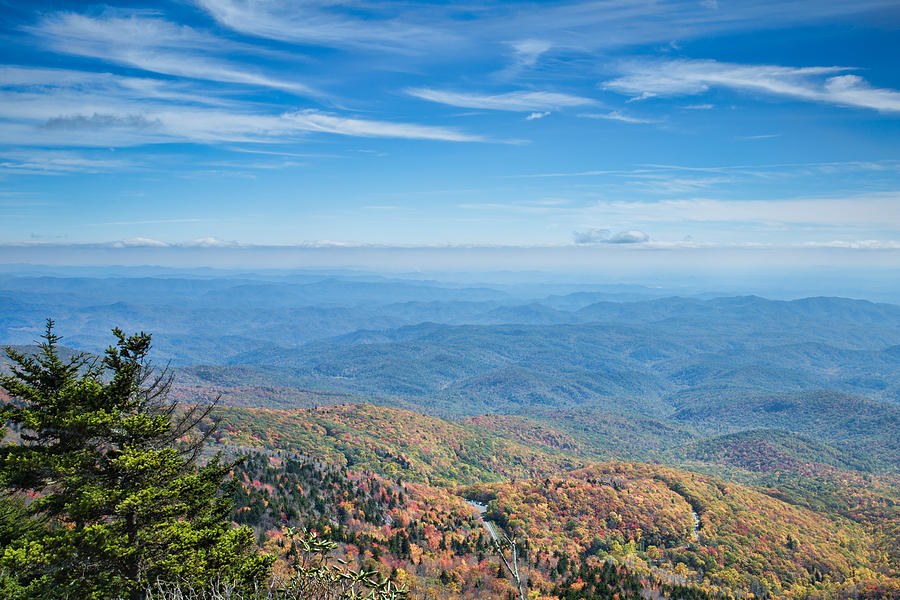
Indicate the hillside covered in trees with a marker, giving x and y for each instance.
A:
(632, 445)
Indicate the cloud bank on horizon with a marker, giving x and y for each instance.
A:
(659, 125)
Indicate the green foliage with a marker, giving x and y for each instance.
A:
(113, 479)
(316, 576)
(15, 520)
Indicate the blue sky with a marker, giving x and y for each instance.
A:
(652, 125)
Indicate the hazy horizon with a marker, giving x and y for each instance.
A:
(574, 268)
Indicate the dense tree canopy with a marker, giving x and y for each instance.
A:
(117, 500)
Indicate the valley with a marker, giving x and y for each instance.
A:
(634, 444)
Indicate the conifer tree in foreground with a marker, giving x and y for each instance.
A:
(119, 501)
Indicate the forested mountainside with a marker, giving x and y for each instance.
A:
(652, 368)
(457, 351)
(638, 517)
(191, 315)
(777, 514)
(649, 368)
(436, 543)
(635, 444)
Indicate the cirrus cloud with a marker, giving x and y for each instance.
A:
(518, 101)
(155, 45)
(831, 85)
(41, 107)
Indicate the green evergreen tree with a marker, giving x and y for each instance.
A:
(111, 464)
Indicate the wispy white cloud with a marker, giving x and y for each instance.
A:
(855, 244)
(147, 242)
(537, 115)
(286, 154)
(647, 79)
(529, 51)
(43, 107)
(87, 84)
(311, 120)
(652, 169)
(140, 242)
(519, 101)
(155, 45)
(853, 90)
(56, 162)
(210, 126)
(618, 116)
(656, 180)
(802, 167)
(263, 166)
(676, 185)
(425, 27)
(873, 211)
(533, 208)
(152, 222)
(525, 54)
(212, 242)
(625, 22)
(330, 23)
(764, 136)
